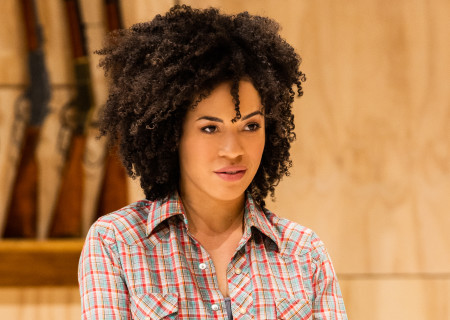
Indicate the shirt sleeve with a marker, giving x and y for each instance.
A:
(104, 294)
(328, 303)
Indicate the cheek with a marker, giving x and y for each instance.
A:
(257, 148)
(260, 150)
(195, 150)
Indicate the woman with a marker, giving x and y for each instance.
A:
(200, 103)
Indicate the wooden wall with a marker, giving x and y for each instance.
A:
(371, 168)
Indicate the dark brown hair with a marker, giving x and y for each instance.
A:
(160, 69)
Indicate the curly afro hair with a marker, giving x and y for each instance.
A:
(160, 69)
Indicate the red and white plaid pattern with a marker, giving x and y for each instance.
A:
(140, 263)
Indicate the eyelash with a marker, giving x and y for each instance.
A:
(204, 129)
(255, 126)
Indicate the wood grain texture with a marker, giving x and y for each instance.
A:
(372, 157)
(136, 11)
(402, 299)
(47, 303)
(39, 263)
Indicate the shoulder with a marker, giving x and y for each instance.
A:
(127, 225)
(295, 239)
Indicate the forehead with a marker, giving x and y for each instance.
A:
(220, 101)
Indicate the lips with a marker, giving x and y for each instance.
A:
(233, 173)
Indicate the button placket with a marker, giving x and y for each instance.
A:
(243, 300)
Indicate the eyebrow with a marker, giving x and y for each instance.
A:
(220, 120)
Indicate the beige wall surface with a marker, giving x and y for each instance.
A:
(371, 172)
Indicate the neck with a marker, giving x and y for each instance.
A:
(212, 217)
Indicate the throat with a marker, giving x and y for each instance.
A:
(213, 219)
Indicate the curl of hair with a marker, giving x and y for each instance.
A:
(160, 69)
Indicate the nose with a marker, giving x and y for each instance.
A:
(231, 146)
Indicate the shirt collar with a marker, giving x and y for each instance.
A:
(254, 216)
(161, 210)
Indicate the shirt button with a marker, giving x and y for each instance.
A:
(202, 266)
(238, 271)
(215, 307)
(242, 311)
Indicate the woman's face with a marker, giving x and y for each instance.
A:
(218, 158)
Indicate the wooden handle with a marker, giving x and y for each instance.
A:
(67, 214)
(22, 207)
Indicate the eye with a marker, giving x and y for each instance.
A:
(252, 126)
(209, 129)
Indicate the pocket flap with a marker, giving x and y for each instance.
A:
(291, 308)
(154, 305)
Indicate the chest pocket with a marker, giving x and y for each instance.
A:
(299, 309)
(154, 306)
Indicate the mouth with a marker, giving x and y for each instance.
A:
(231, 174)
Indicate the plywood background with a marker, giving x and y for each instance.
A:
(371, 168)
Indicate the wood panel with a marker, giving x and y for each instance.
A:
(401, 298)
(40, 303)
(39, 263)
(136, 11)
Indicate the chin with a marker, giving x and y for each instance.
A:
(228, 195)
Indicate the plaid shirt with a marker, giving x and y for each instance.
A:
(140, 263)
